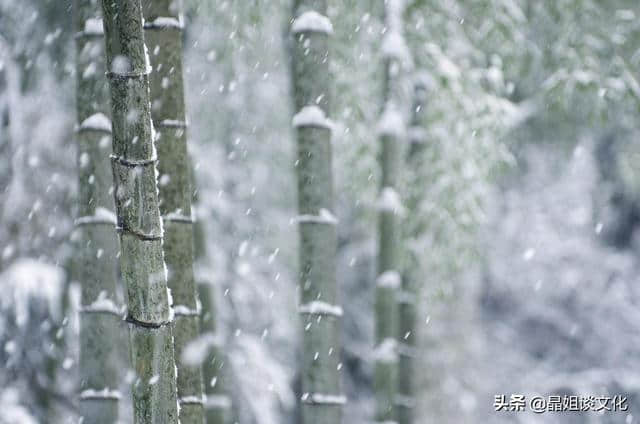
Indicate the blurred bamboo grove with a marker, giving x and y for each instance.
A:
(317, 211)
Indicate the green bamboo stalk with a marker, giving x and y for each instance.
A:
(218, 403)
(321, 398)
(217, 406)
(163, 37)
(407, 299)
(138, 215)
(391, 136)
(96, 258)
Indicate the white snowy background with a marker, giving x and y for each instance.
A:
(532, 202)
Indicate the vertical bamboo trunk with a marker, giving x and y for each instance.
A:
(387, 284)
(218, 403)
(408, 298)
(321, 397)
(5, 142)
(149, 313)
(163, 37)
(388, 281)
(97, 244)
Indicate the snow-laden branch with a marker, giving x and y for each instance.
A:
(312, 21)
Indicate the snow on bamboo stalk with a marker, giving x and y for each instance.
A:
(97, 243)
(163, 37)
(407, 298)
(321, 397)
(138, 215)
(391, 132)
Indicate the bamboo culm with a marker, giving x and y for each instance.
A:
(408, 299)
(391, 133)
(321, 398)
(139, 224)
(217, 403)
(163, 37)
(96, 239)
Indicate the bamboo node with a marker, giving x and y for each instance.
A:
(131, 320)
(141, 235)
(323, 399)
(132, 163)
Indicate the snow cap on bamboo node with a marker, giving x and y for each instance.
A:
(100, 216)
(217, 402)
(386, 351)
(390, 201)
(324, 217)
(312, 21)
(196, 351)
(106, 393)
(103, 304)
(164, 22)
(391, 122)
(389, 279)
(394, 47)
(311, 116)
(93, 26)
(323, 399)
(97, 122)
(318, 307)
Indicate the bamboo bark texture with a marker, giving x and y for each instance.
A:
(139, 224)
